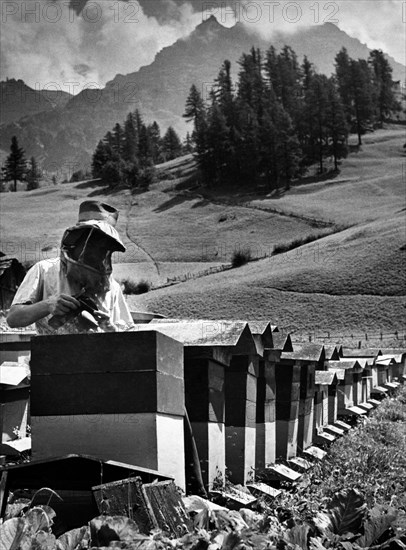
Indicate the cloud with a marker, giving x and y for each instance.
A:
(378, 23)
(82, 69)
(47, 44)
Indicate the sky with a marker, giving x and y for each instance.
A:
(72, 44)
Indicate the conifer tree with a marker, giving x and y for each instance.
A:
(287, 149)
(144, 147)
(336, 124)
(225, 93)
(284, 75)
(250, 110)
(102, 155)
(362, 96)
(307, 73)
(171, 144)
(383, 85)
(130, 145)
(138, 121)
(251, 84)
(316, 103)
(109, 140)
(272, 72)
(15, 166)
(118, 139)
(195, 111)
(354, 80)
(33, 175)
(268, 166)
(156, 142)
(219, 157)
(343, 75)
(227, 119)
(188, 145)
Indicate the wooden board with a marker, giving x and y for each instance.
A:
(126, 498)
(106, 393)
(281, 472)
(151, 506)
(315, 452)
(263, 490)
(168, 507)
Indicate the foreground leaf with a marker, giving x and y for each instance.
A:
(347, 511)
(316, 544)
(13, 510)
(105, 529)
(379, 521)
(39, 518)
(298, 535)
(11, 533)
(43, 541)
(71, 539)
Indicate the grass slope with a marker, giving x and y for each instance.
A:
(352, 280)
(183, 228)
(371, 184)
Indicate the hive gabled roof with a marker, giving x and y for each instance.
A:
(282, 342)
(398, 357)
(325, 377)
(344, 364)
(385, 360)
(397, 354)
(305, 352)
(258, 327)
(340, 373)
(331, 352)
(362, 361)
(208, 333)
(361, 352)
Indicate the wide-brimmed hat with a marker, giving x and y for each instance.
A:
(96, 210)
(99, 216)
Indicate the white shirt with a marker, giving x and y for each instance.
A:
(46, 279)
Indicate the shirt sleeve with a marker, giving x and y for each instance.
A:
(121, 313)
(31, 289)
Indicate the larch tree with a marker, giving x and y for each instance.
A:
(171, 144)
(130, 145)
(15, 167)
(33, 175)
(336, 124)
(383, 85)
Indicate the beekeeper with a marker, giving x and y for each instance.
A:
(54, 291)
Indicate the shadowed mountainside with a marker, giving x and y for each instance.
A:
(67, 136)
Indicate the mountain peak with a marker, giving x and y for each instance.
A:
(209, 24)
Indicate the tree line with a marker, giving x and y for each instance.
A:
(283, 116)
(17, 168)
(128, 153)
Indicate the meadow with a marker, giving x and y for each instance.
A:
(350, 279)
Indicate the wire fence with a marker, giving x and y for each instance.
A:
(360, 339)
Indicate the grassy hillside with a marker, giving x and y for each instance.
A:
(371, 184)
(352, 280)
